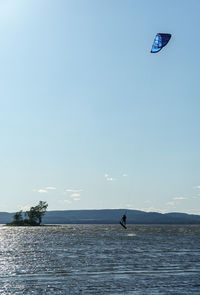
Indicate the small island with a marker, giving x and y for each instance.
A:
(33, 217)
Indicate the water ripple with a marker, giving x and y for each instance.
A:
(97, 259)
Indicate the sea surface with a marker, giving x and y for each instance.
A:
(100, 259)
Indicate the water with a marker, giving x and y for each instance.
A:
(100, 259)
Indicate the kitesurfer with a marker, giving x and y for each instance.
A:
(124, 219)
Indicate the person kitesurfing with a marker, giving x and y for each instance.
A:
(123, 221)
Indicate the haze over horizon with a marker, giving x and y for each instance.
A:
(90, 119)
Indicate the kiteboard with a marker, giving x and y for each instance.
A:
(123, 225)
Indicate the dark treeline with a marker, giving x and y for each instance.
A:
(32, 217)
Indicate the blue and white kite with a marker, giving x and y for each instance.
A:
(160, 41)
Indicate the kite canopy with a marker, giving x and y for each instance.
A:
(160, 41)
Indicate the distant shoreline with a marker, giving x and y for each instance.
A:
(110, 216)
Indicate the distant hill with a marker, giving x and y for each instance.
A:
(110, 216)
(5, 217)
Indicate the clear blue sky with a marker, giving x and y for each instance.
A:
(89, 118)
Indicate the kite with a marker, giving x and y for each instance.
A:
(160, 41)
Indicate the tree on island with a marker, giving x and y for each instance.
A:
(34, 215)
(17, 218)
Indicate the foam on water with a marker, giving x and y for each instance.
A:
(131, 235)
